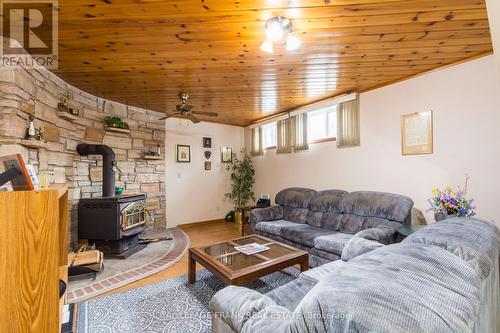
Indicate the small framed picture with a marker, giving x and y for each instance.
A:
(207, 142)
(226, 154)
(416, 133)
(208, 166)
(183, 153)
(21, 182)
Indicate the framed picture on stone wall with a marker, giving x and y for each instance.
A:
(417, 133)
(183, 153)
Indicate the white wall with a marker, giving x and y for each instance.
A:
(193, 194)
(494, 20)
(466, 104)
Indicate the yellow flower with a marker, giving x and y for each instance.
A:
(448, 188)
(435, 191)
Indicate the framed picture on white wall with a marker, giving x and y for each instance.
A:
(417, 133)
(183, 154)
(226, 154)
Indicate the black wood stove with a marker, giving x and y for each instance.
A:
(112, 223)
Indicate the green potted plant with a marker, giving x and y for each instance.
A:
(115, 122)
(242, 181)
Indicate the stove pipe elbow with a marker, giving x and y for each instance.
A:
(108, 165)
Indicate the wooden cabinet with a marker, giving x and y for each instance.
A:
(33, 257)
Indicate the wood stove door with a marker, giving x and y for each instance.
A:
(133, 215)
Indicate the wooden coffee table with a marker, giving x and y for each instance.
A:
(235, 268)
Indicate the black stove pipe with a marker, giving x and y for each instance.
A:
(108, 165)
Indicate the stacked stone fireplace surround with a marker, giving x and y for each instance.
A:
(28, 91)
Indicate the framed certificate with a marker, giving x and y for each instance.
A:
(416, 133)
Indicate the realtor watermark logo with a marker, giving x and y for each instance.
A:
(30, 33)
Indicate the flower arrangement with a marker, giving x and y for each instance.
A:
(450, 202)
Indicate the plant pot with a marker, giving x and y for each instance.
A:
(442, 216)
(238, 217)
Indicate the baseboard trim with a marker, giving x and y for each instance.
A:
(197, 224)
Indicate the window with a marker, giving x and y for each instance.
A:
(322, 124)
(269, 136)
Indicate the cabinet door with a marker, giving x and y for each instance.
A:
(29, 243)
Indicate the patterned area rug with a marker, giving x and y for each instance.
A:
(154, 258)
(170, 306)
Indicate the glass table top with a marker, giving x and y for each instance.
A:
(225, 254)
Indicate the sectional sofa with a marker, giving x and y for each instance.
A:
(442, 279)
(323, 222)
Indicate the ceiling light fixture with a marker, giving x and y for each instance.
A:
(276, 29)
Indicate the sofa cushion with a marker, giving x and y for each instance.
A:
(477, 243)
(363, 210)
(296, 197)
(325, 209)
(297, 215)
(273, 227)
(303, 233)
(332, 243)
(397, 288)
(389, 206)
(295, 201)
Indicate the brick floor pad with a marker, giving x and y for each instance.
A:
(175, 252)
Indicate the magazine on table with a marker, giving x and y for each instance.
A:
(251, 248)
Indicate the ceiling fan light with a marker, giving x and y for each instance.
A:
(292, 42)
(274, 31)
(267, 46)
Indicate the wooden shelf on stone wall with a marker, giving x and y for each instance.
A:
(37, 144)
(67, 116)
(152, 157)
(117, 130)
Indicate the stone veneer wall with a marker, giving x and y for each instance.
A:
(25, 91)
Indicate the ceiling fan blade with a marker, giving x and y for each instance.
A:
(205, 113)
(170, 115)
(193, 118)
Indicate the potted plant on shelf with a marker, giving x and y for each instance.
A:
(115, 122)
(450, 203)
(242, 181)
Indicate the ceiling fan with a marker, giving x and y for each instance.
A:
(185, 110)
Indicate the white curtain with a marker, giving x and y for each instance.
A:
(301, 132)
(257, 141)
(285, 136)
(348, 124)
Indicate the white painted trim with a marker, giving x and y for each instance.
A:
(270, 120)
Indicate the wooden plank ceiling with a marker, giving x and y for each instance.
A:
(144, 52)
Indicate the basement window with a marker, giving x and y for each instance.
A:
(322, 125)
(269, 136)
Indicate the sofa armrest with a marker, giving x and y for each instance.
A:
(381, 234)
(272, 319)
(265, 214)
(233, 306)
(358, 246)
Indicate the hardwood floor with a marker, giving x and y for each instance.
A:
(200, 234)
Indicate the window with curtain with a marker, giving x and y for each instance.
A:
(322, 124)
(348, 127)
(257, 141)
(285, 140)
(301, 132)
(269, 136)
